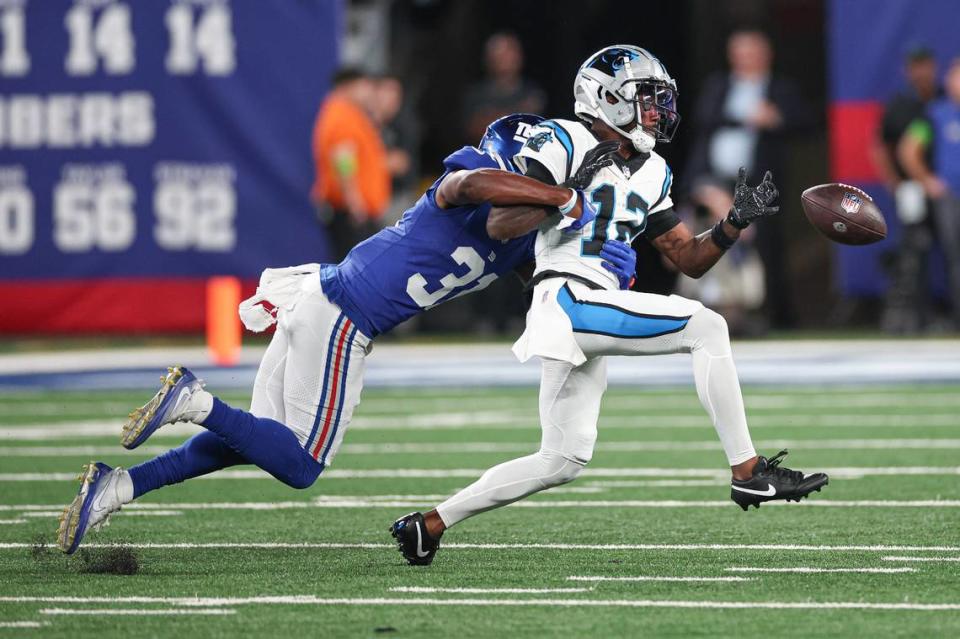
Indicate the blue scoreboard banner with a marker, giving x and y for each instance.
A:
(148, 145)
(864, 72)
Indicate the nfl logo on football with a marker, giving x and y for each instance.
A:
(851, 203)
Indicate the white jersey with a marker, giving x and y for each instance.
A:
(625, 194)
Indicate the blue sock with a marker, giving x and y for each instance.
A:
(264, 442)
(201, 454)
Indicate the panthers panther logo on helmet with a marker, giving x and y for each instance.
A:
(617, 84)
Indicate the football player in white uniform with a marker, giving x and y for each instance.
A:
(579, 315)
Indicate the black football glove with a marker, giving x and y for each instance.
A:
(752, 202)
(598, 157)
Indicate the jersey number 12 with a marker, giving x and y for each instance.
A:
(604, 196)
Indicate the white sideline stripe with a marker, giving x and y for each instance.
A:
(23, 624)
(271, 545)
(500, 421)
(850, 472)
(344, 501)
(809, 569)
(933, 559)
(565, 603)
(653, 578)
(145, 612)
(12, 521)
(482, 591)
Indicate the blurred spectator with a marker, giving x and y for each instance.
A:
(504, 91)
(734, 287)
(400, 133)
(352, 187)
(908, 299)
(939, 132)
(743, 118)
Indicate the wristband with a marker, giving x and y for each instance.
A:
(733, 221)
(572, 202)
(720, 238)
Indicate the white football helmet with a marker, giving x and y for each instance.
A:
(617, 84)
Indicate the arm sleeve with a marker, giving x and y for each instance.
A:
(660, 222)
(550, 145)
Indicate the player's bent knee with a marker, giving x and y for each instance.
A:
(559, 468)
(710, 330)
(303, 476)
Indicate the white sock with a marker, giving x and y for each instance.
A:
(198, 407)
(124, 487)
(718, 385)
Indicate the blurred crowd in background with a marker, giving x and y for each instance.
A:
(392, 115)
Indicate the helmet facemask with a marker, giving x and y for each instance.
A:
(648, 95)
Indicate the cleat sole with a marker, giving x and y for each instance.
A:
(70, 517)
(132, 430)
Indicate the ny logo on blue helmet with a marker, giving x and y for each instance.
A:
(505, 137)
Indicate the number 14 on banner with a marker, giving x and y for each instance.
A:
(100, 34)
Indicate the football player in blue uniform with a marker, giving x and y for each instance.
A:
(311, 375)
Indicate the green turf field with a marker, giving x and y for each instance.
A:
(645, 543)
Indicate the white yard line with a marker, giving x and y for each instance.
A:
(931, 559)
(406, 601)
(659, 483)
(42, 514)
(76, 451)
(850, 472)
(133, 612)
(813, 570)
(375, 501)
(658, 578)
(23, 624)
(12, 521)
(494, 420)
(454, 402)
(483, 591)
(496, 546)
(527, 447)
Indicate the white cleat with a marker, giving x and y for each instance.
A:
(97, 499)
(170, 404)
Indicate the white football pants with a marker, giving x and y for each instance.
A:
(311, 375)
(611, 323)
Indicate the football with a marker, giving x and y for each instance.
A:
(844, 213)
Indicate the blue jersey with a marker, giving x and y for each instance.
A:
(430, 256)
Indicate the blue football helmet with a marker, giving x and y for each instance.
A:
(505, 137)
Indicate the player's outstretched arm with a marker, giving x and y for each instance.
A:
(499, 188)
(695, 255)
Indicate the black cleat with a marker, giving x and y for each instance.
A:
(771, 481)
(413, 541)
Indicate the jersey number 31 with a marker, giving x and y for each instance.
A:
(463, 255)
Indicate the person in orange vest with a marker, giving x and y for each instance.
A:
(352, 185)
